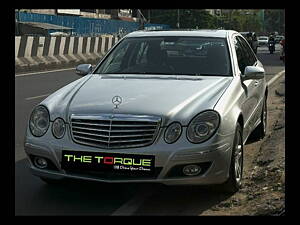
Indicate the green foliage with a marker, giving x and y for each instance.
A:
(256, 20)
(241, 20)
(188, 18)
(274, 20)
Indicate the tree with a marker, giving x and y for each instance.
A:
(252, 23)
(274, 20)
(242, 20)
(188, 18)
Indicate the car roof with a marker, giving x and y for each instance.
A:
(199, 33)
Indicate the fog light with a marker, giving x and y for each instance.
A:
(40, 162)
(191, 170)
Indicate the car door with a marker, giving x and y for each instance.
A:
(259, 85)
(251, 99)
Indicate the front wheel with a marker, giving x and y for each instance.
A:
(234, 182)
(261, 130)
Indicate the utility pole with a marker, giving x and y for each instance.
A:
(284, 21)
(141, 19)
(178, 23)
(148, 15)
(263, 18)
(17, 21)
(230, 19)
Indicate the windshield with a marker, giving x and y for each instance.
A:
(168, 55)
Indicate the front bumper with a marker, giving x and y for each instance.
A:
(215, 154)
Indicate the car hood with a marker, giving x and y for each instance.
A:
(170, 97)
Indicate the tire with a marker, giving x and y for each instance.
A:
(234, 182)
(261, 130)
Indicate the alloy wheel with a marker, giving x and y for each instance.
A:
(238, 160)
(264, 119)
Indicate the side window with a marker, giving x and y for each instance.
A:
(240, 55)
(251, 59)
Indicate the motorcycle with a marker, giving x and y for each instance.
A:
(271, 47)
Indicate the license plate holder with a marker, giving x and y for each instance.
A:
(108, 162)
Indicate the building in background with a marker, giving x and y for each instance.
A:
(82, 22)
(122, 14)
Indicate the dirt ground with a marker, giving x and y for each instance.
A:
(263, 192)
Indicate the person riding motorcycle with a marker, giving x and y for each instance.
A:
(271, 39)
(271, 43)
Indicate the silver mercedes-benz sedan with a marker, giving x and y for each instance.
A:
(173, 107)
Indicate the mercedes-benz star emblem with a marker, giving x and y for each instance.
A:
(117, 100)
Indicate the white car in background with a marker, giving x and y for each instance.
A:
(263, 40)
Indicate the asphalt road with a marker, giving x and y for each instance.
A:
(33, 197)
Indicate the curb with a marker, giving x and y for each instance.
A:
(276, 76)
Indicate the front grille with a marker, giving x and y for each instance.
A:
(111, 131)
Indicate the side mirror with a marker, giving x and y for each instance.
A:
(253, 72)
(83, 69)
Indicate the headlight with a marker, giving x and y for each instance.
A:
(58, 128)
(203, 126)
(173, 132)
(39, 121)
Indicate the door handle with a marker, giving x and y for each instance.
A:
(256, 83)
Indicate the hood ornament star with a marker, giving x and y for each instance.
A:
(116, 100)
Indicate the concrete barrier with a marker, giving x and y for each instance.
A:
(33, 52)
